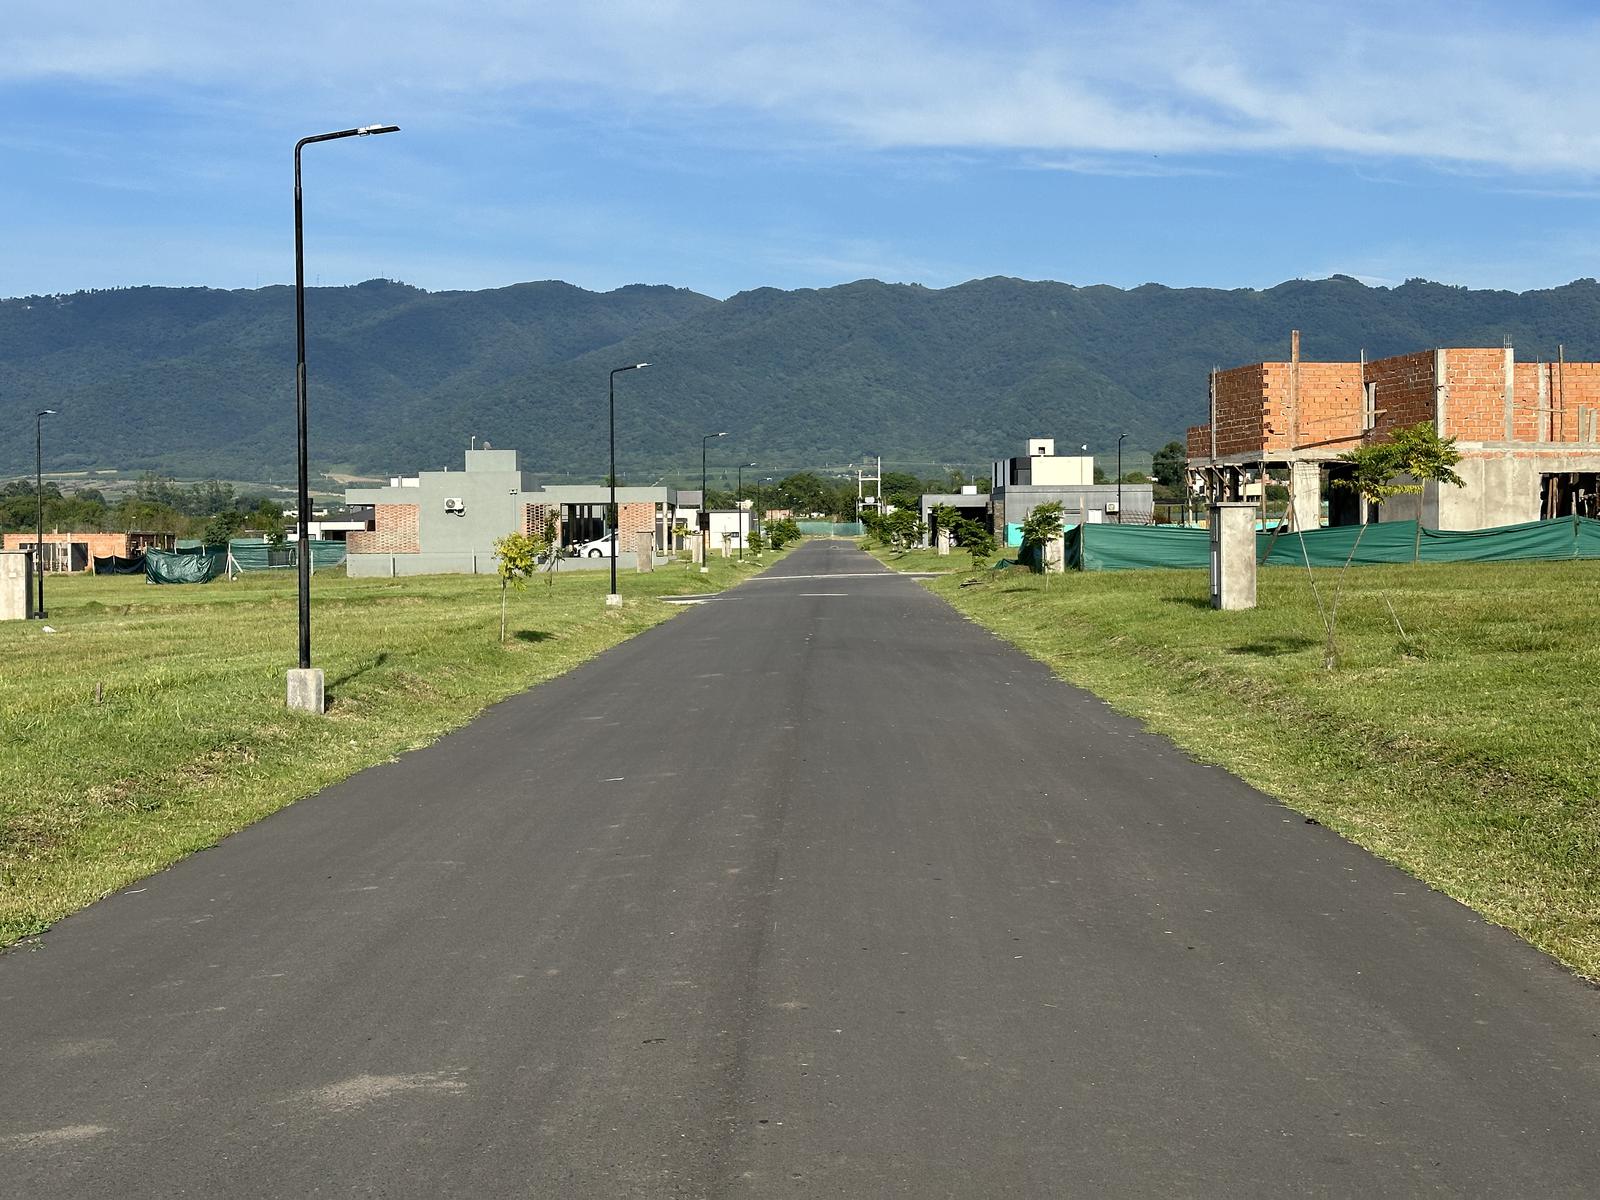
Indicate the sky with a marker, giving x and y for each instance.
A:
(723, 145)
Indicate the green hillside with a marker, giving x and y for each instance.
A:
(195, 381)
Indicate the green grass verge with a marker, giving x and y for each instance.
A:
(1466, 751)
(191, 740)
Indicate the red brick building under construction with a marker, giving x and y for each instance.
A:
(1528, 433)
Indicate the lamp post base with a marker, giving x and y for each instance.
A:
(305, 690)
(613, 600)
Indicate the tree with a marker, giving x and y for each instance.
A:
(270, 518)
(1170, 464)
(903, 527)
(977, 541)
(1039, 528)
(222, 527)
(1413, 456)
(516, 558)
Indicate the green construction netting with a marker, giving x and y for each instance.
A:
(255, 554)
(191, 566)
(1128, 547)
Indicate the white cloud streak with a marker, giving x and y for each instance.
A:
(1447, 84)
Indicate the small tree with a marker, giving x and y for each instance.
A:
(1413, 456)
(757, 543)
(270, 517)
(516, 558)
(901, 528)
(977, 541)
(1039, 528)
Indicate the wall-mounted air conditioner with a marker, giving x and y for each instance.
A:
(454, 504)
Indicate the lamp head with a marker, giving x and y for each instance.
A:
(640, 366)
(369, 130)
(48, 412)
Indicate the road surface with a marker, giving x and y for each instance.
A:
(816, 890)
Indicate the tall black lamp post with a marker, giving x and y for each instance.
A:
(38, 489)
(613, 598)
(300, 378)
(738, 502)
(705, 508)
(1120, 436)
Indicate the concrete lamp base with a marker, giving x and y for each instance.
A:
(705, 570)
(305, 690)
(613, 600)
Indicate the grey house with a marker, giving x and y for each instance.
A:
(439, 522)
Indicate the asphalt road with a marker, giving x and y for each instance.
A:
(817, 889)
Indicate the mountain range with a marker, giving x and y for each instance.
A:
(199, 382)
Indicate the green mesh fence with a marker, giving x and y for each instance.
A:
(1129, 547)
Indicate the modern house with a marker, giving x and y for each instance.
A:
(447, 521)
(1528, 433)
(1019, 485)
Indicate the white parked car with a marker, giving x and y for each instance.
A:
(599, 548)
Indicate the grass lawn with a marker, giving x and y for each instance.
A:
(1467, 752)
(191, 740)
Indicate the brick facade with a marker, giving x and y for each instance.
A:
(635, 518)
(394, 531)
(1276, 410)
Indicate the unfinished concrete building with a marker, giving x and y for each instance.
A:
(1528, 433)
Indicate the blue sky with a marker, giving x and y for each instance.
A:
(728, 145)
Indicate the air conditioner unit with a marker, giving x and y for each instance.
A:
(1111, 506)
(454, 504)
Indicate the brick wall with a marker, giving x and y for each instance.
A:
(394, 531)
(536, 516)
(1240, 409)
(1567, 389)
(632, 519)
(1405, 389)
(1475, 403)
(1330, 404)
(100, 545)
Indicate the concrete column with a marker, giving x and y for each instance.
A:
(645, 551)
(1233, 555)
(1055, 554)
(16, 585)
(306, 690)
(1305, 492)
(942, 539)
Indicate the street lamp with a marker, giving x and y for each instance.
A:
(1120, 436)
(738, 502)
(38, 488)
(300, 386)
(612, 597)
(705, 509)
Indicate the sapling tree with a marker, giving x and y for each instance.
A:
(977, 541)
(516, 558)
(1039, 528)
(1413, 456)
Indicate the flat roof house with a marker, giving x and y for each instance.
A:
(1528, 433)
(439, 522)
(1019, 485)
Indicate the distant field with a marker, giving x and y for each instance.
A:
(191, 739)
(1467, 752)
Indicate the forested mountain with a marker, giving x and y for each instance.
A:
(196, 382)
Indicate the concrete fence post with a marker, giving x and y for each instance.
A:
(644, 544)
(1233, 554)
(16, 585)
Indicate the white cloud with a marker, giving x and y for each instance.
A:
(1451, 84)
